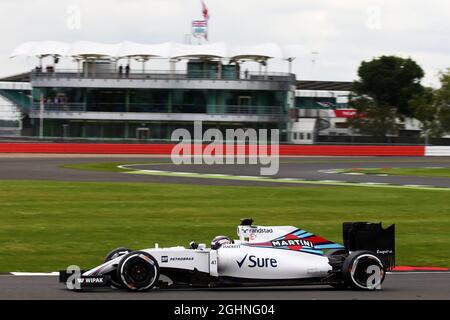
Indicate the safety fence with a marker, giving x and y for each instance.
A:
(166, 149)
(437, 151)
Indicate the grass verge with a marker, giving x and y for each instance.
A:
(98, 166)
(46, 226)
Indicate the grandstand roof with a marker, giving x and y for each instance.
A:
(88, 49)
(133, 49)
(263, 51)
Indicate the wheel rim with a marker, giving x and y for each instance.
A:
(363, 272)
(138, 272)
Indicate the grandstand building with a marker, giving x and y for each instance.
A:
(108, 92)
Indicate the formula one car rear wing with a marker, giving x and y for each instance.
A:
(371, 236)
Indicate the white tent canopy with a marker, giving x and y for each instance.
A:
(23, 50)
(169, 50)
(213, 50)
(133, 49)
(92, 49)
(50, 48)
(256, 52)
(39, 49)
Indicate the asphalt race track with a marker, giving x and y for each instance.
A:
(397, 286)
(48, 167)
(405, 285)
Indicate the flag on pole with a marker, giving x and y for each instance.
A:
(205, 11)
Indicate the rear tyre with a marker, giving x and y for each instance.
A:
(363, 270)
(121, 251)
(337, 256)
(138, 271)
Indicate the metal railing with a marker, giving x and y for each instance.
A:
(10, 85)
(163, 75)
(160, 108)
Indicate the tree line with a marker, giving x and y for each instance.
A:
(389, 89)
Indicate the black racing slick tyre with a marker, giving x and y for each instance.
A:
(121, 251)
(138, 271)
(340, 254)
(363, 270)
(116, 253)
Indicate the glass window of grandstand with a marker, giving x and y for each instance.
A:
(64, 99)
(161, 100)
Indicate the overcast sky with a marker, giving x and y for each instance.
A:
(343, 32)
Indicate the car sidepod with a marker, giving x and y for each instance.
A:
(259, 263)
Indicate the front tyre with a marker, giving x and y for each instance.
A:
(116, 253)
(121, 251)
(138, 271)
(363, 270)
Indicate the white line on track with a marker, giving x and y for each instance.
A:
(354, 173)
(375, 183)
(251, 177)
(125, 166)
(34, 274)
(418, 186)
(286, 180)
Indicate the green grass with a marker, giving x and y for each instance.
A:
(46, 226)
(113, 166)
(98, 166)
(419, 172)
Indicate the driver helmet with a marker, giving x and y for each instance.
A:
(219, 241)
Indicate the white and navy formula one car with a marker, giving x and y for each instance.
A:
(262, 256)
